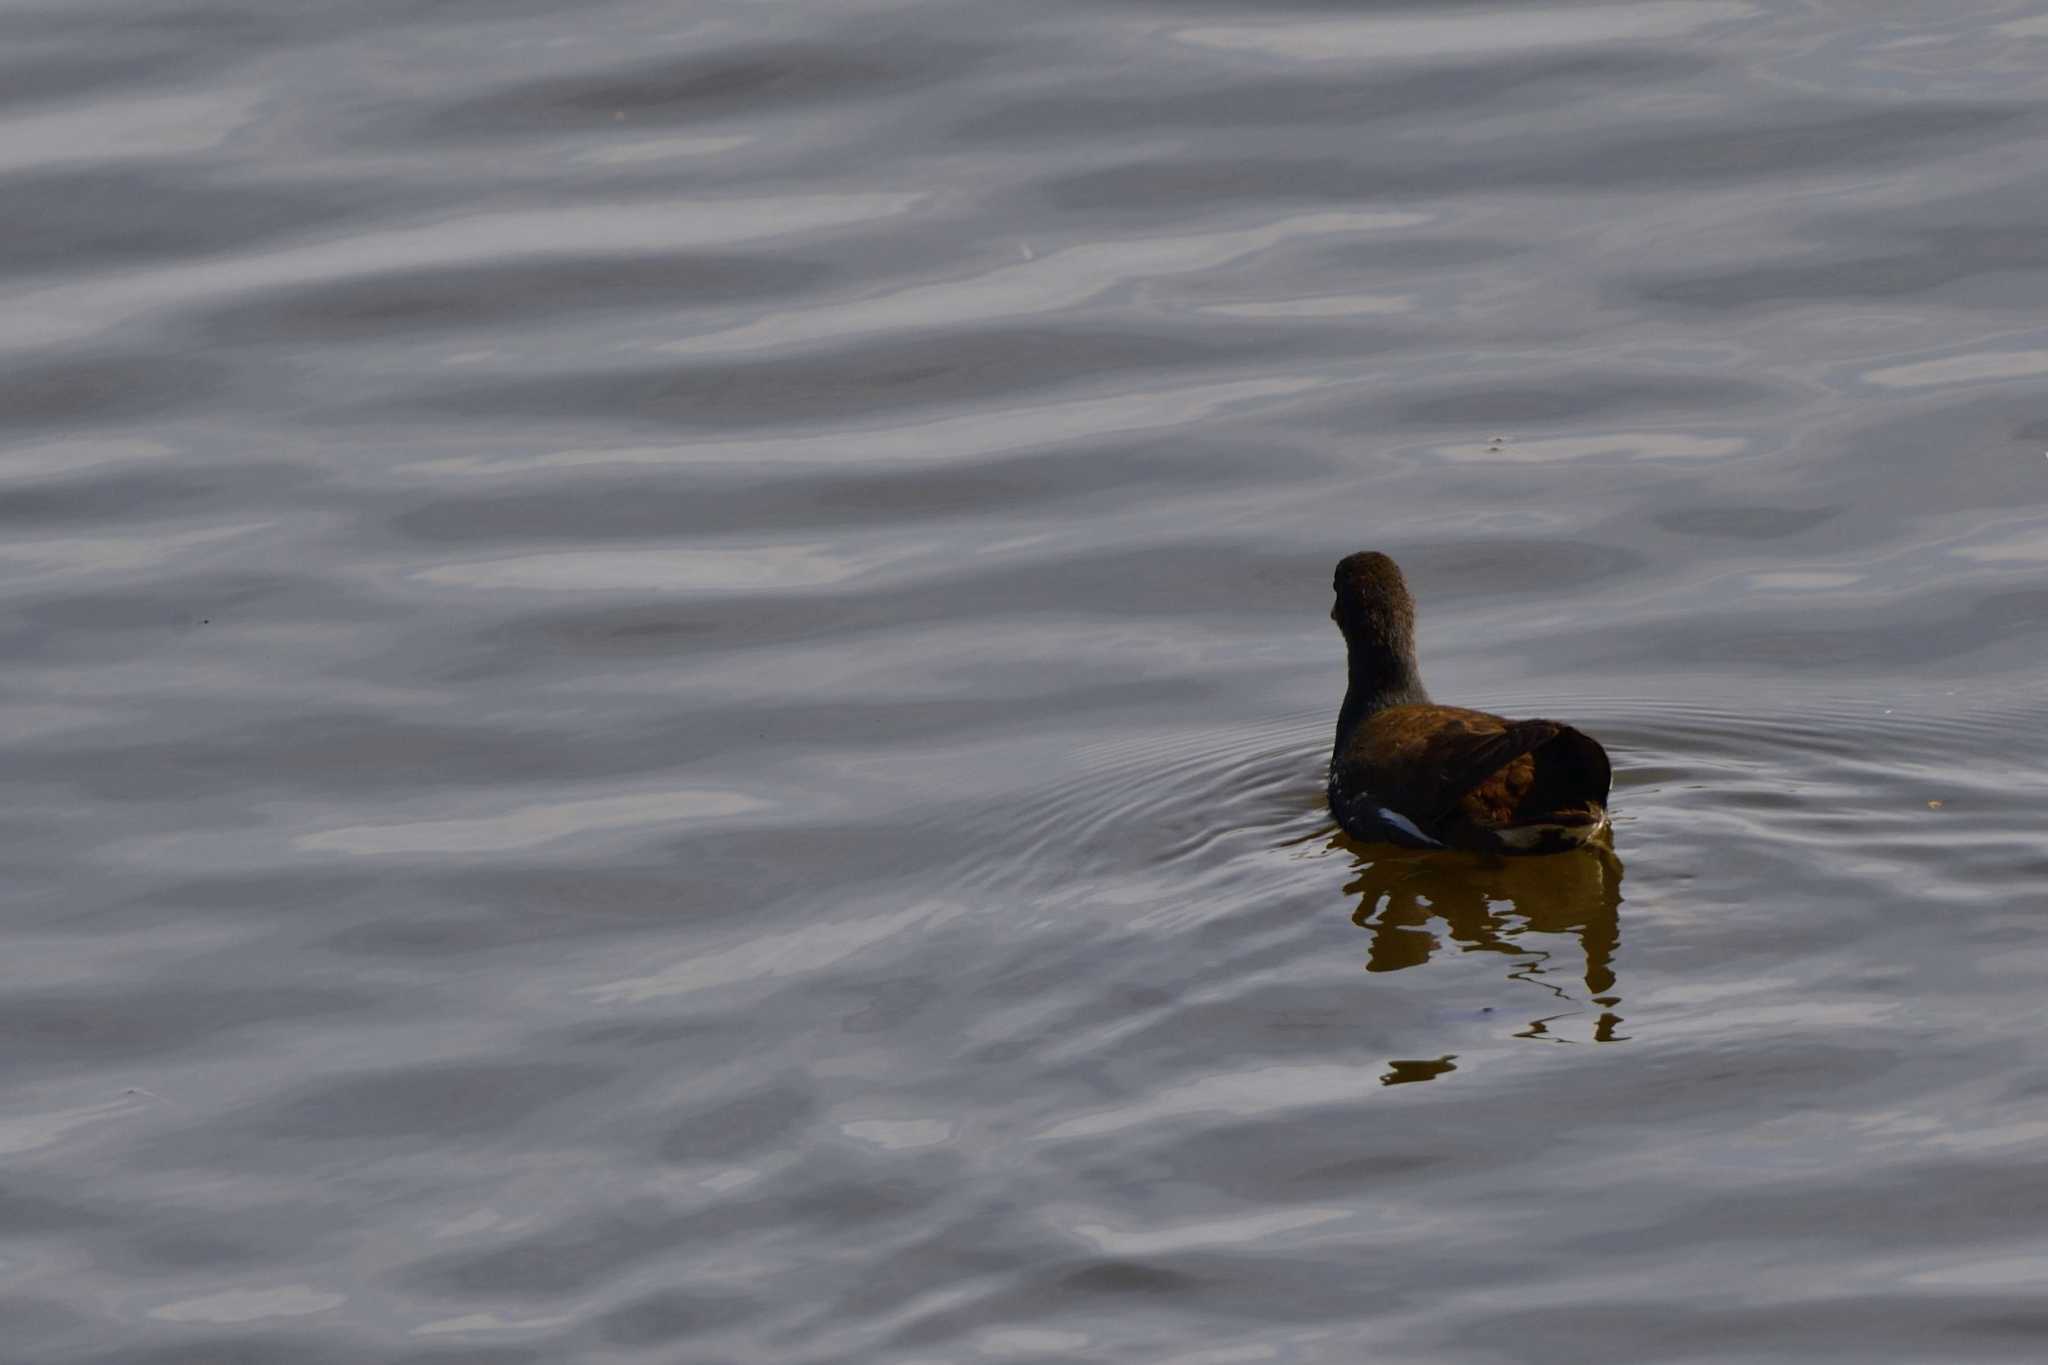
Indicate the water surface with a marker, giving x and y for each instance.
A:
(668, 669)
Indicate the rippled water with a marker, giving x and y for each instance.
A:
(668, 672)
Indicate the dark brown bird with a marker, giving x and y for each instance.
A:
(1407, 771)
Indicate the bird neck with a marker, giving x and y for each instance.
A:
(1380, 677)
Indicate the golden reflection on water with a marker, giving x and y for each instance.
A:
(1412, 903)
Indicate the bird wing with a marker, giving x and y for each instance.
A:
(1459, 759)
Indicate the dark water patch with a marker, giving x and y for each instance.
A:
(885, 377)
(1152, 806)
(865, 1195)
(26, 1213)
(1779, 142)
(315, 752)
(37, 1324)
(1264, 1290)
(203, 25)
(173, 618)
(421, 935)
(1158, 187)
(235, 891)
(1307, 1148)
(1117, 1277)
(572, 1257)
(83, 1028)
(1349, 101)
(425, 1099)
(974, 1245)
(172, 21)
(1717, 1086)
(1577, 397)
(567, 1258)
(1274, 1020)
(646, 1032)
(855, 727)
(687, 503)
(1956, 1203)
(1817, 1325)
(706, 86)
(889, 1004)
(1934, 260)
(500, 1354)
(1506, 568)
(672, 1316)
(137, 494)
(593, 896)
(413, 303)
(1108, 583)
(104, 217)
(1734, 522)
(740, 871)
(1309, 10)
(58, 77)
(1917, 632)
(520, 906)
(1407, 255)
(730, 1128)
(1978, 452)
(679, 876)
(1787, 140)
(106, 388)
(180, 1251)
(236, 1348)
(378, 16)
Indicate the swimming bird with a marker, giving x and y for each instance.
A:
(1408, 771)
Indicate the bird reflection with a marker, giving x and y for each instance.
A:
(1491, 905)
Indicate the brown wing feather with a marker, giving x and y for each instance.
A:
(1484, 771)
(1441, 764)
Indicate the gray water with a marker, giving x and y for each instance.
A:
(667, 669)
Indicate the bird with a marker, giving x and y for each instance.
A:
(1405, 770)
